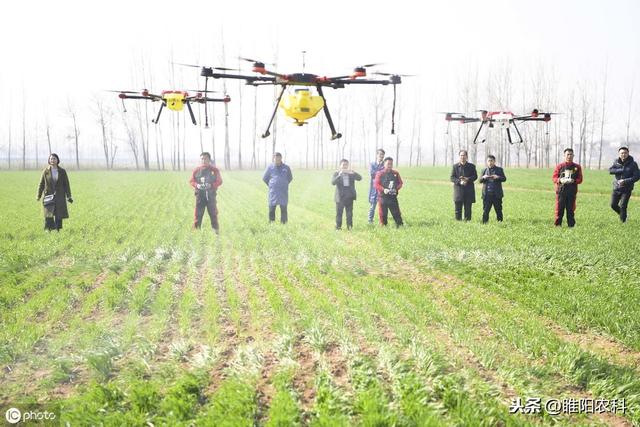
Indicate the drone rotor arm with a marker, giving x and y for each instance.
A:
(136, 97)
(361, 82)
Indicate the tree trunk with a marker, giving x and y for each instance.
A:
(24, 136)
(630, 105)
(254, 162)
(604, 103)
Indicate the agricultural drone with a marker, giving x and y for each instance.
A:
(173, 99)
(499, 120)
(301, 105)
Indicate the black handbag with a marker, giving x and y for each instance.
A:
(49, 200)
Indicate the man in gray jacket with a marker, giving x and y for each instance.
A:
(344, 179)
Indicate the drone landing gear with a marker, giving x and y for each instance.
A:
(193, 118)
(159, 112)
(517, 131)
(334, 135)
(275, 110)
(475, 140)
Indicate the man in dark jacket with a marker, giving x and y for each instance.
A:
(491, 180)
(374, 168)
(277, 177)
(463, 175)
(388, 183)
(626, 174)
(205, 180)
(345, 181)
(566, 177)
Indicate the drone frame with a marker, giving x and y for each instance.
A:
(305, 79)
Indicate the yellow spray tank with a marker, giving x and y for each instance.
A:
(174, 99)
(301, 106)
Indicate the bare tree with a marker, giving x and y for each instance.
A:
(9, 146)
(132, 140)
(413, 136)
(378, 115)
(48, 128)
(104, 116)
(629, 109)
(227, 148)
(35, 142)
(24, 131)
(239, 121)
(398, 141)
(71, 111)
(254, 162)
(604, 103)
(584, 122)
(213, 136)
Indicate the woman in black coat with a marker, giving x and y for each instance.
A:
(54, 183)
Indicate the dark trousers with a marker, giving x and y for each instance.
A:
(342, 205)
(210, 205)
(283, 213)
(619, 203)
(488, 201)
(372, 210)
(467, 210)
(53, 223)
(386, 204)
(566, 201)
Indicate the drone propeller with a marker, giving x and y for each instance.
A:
(187, 65)
(202, 91)
(393, 74)
(200, 66)
(122, 91)
(370, 65)
(255, 61)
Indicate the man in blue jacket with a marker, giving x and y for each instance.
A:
(374, 168)
(626, 174)
(277, 177)
(492, 194)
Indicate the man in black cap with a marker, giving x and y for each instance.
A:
(626, 174)
(491, 180)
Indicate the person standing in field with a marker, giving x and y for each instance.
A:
(463, 175)
(374, 168)
(54, 184)
(278, 176)
(566, 177)
(345, 181)
(205, 180)
(388, 183)
(492, 178)
(626, 174)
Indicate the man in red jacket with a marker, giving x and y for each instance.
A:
(387, 183)
(205, 180)
(566, 177)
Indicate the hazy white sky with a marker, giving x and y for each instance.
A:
(78, 48)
